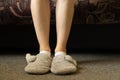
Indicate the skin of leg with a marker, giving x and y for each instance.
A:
(40, 10)
(64, 15)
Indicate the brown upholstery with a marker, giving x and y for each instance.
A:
(86, 12)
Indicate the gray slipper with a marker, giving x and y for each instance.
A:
(30, 58)
(63, 64)
(40, 65)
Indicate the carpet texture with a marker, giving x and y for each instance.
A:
(90, 67)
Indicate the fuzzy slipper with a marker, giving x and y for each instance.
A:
(30, 58)
(63, 64)
(39, 64)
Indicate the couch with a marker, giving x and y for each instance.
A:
(86, 12)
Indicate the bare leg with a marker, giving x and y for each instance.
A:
(40, 10)
(40, 64)
(64, 15)
(61, 63)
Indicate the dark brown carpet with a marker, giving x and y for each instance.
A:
(90, 67)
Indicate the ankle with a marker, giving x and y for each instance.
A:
(45, 52)
(45, 49)
(58, 53)
(60, 50)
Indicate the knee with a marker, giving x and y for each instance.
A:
(75, 2)
(68, 1)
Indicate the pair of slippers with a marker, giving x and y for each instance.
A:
(43, 63)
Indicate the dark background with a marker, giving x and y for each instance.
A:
(83, 38)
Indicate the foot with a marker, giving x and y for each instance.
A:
(39, 64)
(63, 64)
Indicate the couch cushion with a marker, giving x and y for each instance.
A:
(86, 12)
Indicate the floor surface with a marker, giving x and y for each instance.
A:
(90, 67)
